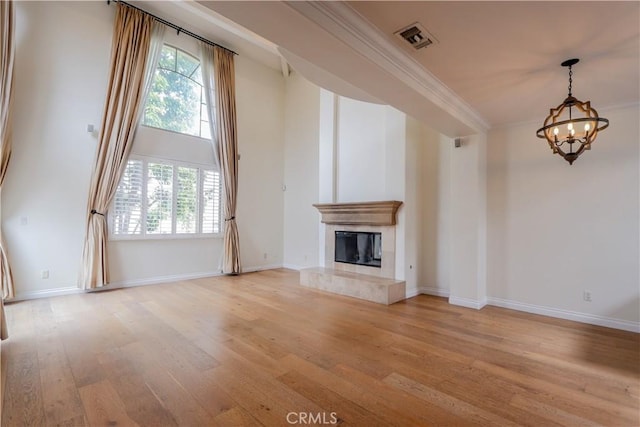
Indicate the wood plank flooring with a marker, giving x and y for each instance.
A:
(259, 349)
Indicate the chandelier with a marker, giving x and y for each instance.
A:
(572, 126)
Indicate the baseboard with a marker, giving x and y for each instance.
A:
(113, 285)
(261, 268)
(127, 284)
(47, 293)
(410, 293)
(182, 277)
(591, 319)
(438, 292)
(157, 280)
(292, 267)
(468, 302)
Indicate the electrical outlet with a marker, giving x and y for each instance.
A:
(265, 255)
(24, 220)
(44, 274)
(586, 295)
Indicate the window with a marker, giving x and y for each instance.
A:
(176, 101)
(163, 198)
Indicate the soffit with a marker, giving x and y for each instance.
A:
(204, 22)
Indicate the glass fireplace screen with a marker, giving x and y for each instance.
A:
(362, 248)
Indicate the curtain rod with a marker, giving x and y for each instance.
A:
(172, 25)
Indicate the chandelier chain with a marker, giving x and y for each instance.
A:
(570, 79)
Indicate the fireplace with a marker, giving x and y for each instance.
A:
(360, 248)
(361, 219)
(360, 252)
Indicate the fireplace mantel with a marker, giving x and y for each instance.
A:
(359, 213)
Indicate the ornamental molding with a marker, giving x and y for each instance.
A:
(359, 213)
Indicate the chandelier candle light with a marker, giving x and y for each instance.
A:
(576, 120)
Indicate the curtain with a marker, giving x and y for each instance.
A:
(131, 56)
(226, 134)
(208, 81)
(155, 50)
(7, 14)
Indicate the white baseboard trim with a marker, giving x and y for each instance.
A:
(410, 293)
(591, 319)
(292, 267)
(468, 302)
(260, 268)
(129, 284)
(438, 292)
(47, 293)
(157, 280)
(181, 277)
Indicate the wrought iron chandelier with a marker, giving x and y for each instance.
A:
(563, 127)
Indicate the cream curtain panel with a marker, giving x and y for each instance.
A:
(209, 82)
(225, 91)
(7, 15)
(130, 53)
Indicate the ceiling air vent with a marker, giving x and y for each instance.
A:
(416, 36)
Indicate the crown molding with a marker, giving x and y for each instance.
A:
(347, 25)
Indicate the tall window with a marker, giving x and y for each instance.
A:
(161, 198)
(176, 100)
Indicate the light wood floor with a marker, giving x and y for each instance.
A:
(250, 350)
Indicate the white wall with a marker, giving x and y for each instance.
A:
(260, 106)
(557, 230)
(395, 186)
(62, 57)
(433, 160)
(301, 173)
(412, 215)
(361, 149)
(61, 74)
(468, 219)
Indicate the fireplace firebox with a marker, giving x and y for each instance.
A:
(361, 248)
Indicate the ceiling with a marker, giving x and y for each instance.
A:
(504, 58)
(494, 63)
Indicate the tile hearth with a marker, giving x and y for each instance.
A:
(370, 288)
